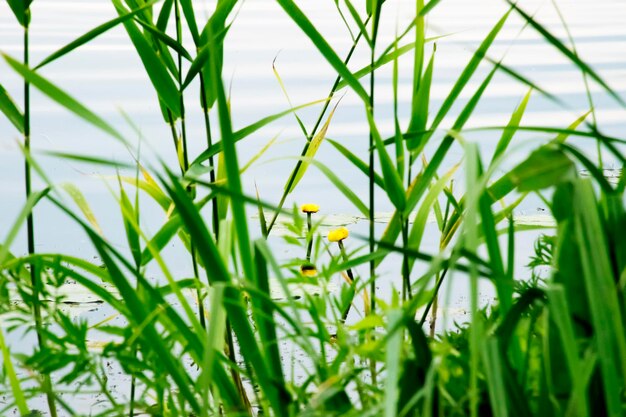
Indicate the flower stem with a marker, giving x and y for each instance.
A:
(344, 255)
(309, 237)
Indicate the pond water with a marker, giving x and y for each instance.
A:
(107, 76)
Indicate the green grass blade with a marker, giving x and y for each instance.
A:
(10, 110)
(572, 56)
(62, 97)
(419, 114)
(391, 177)
(493, 369)
(32, 200)
(511, 128)
(130, 216)
(92, 34)
(16, 388)
(167, 40)
(606, 315)
(468, 71)
(21, 11)
(190, 18)
(419, 224)
(342, 187)
(392, 361)
(357, 162)
(248, 130)
(233, 301)
(80, 200)
(324, 48)
(263, 310)
(153, 64)
(311, 149)
(420, 183)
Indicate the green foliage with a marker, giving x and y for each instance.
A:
(552, 344)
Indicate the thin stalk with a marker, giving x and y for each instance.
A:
(371, 189)
(406, 281)
(209, 140)
(442, 246)
(432, 302)
(30, 230)
(309, 237)
(185, 167)
(372, 231)
(170, 122)
(180, 83)
(344, 255)
(230, 352)
(333, 89)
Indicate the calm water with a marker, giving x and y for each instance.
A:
(107, 76)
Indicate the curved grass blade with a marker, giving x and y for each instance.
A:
(468, 71)
(92, 34)
(233, 301)
(357, 162)
(572, 56)
(284, 89)
(421, 182)
(167, 40)
(20, 9)
(9, 370)
(153, 64)
(391, 177)
(342, 187)
(82, 204)
(248, 130)
(420, 106)
(309, 153)
(10, 110)
(62, 97)
(511, 128)
(324, 48)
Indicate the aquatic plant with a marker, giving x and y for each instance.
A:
(214, 343)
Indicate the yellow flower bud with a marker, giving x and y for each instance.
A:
(308, 270)
(339, 234)
(310, 208)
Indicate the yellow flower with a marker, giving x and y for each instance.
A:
(310, 208)
(339, 234)
(308, 270)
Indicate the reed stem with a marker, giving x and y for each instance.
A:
(30, 230)
(209, 139)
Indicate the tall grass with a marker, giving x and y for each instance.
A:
(549, 345)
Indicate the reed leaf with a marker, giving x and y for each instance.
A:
(10, 110)
(62, 98)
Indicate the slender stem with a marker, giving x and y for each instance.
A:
(170, 122)
(432, 300)
(209, 139)
(372, 230)
(30, 230)
(185, 166)
(230, 352)
(344, 255)
(309, 238)
(371, 175)
(406, 281)
(180, 82)
(435, 306)
(313, 132)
